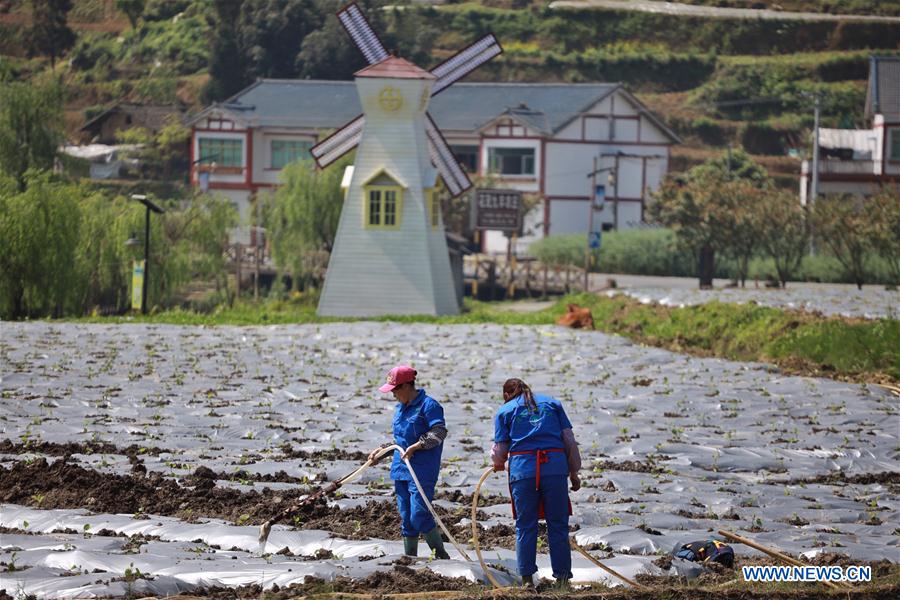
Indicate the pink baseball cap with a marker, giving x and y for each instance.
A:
(398, 375)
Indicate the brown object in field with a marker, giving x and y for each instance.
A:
(577, 318)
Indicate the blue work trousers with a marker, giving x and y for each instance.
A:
(414, 515)
(555, 494)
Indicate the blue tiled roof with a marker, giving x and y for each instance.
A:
(461, 107)
(883, 94)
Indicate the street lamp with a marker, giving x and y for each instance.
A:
(134, 242)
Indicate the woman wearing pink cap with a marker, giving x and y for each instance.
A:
(420, 428)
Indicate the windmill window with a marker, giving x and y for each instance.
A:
(511, 161)
(223, 151)
(383, 206)
(285, 152)
(434, 207)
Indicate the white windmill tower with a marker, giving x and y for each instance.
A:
(390, 253)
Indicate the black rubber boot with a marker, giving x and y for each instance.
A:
(411, 546)
(527, 581)
(436, 543)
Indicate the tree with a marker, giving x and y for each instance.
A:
(271, 33)
(884, 217)
(50, 34)
(40, 231)
(304, 216)
(712, 209)
(691, 208)
(842, 224)
(226, 65)
(741, 204)
(783, 232)
(31, 124)
(133, 9)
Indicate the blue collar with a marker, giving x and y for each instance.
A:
(417, 400)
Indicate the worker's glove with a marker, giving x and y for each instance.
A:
(576, 481)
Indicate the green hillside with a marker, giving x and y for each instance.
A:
(716, 81)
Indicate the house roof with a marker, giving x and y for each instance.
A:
(394, 67)
(466, 107)
(883, 93)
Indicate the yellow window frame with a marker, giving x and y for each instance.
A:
(382, 204)
(432, 200)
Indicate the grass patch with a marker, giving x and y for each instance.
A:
(799, 342)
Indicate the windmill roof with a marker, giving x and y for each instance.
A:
(317, 104)
(394, 67)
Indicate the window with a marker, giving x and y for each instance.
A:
(467, 157)
(383, 206)
(511, 161)
(433, 202)
(224, 152)
(894, 144)
(383, 202)
(285, 152)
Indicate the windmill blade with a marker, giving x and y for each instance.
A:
(453, 175)
(356, 24)
(464, 62)
(339, 143)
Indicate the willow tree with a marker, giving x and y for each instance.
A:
(303, 219)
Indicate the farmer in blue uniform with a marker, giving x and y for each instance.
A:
(534, 433)
(420, 428)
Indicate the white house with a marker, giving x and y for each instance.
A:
(539, 138)
(859, 161)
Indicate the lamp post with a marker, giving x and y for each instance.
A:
(593, 195)
(150, 206)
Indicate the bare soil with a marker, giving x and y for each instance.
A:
(65, 485)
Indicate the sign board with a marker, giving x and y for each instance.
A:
(497, 210)
(599, 196)
(137, 284)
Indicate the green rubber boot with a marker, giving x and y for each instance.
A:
(411, 546)
(436, 543)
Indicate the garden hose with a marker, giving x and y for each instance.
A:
(266, 527)
(475, 543)
(572, 541)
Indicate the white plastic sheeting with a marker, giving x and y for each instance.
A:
(871, 302)
(722, 444)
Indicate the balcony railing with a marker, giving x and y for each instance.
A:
(847, 167)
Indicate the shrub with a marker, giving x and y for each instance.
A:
(633, 251)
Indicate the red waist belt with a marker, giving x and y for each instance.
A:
(541, 458)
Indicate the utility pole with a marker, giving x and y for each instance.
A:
(587, 246)
(591, 197)
(814, 185)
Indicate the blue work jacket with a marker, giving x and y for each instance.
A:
(410, 422)
(528, 431)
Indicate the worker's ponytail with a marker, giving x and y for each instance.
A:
(514, 388)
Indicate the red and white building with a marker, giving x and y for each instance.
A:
(538, 138)
(860, 161)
